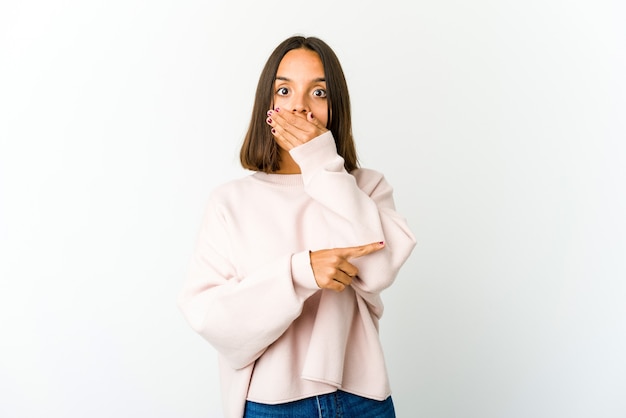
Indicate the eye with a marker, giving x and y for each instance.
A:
(282, 91)
(319, 93)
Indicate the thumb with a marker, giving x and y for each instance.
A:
(362, 250)
(314, 120)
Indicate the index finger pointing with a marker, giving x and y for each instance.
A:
(362, 250)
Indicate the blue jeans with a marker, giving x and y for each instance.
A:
(338, 404)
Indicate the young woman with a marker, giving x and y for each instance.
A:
(290, 261)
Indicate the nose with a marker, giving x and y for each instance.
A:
(300, 103)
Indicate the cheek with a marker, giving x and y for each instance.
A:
(280, 101)
(321, 113)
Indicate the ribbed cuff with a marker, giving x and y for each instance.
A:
(319, 152)
(302, 274)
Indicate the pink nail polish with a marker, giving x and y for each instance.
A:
(269, 120)
(277, 109)
(273, 130)
(269, 113)
(381, 243)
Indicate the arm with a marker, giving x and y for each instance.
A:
(241, 318)
(356, 213)
(361, 210)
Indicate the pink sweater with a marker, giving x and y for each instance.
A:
(251, 292)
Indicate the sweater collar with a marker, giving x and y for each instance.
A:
(287, 180)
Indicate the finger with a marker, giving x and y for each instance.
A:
(291, 117)
(336, 286)
(361, 250)
(284, 137)
(288, 119)
(285, 132)
(303, 127)
(348, 269)
(282, 130)
(343, 278)
(311, 118)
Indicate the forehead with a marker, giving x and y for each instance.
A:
(301, 62)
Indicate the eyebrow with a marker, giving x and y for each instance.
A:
(315, 80)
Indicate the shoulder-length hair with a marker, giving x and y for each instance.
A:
(259, 151)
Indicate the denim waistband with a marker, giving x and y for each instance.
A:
(338, 404)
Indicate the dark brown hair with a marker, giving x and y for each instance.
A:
(259, 151)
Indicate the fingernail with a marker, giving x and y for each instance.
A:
(269, 113)
(273, 130)
(381, 243)
(277, 109)
(269, 120)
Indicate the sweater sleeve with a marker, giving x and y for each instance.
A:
(239, 316)
(361, 208)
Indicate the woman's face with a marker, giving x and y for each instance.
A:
(300, 85)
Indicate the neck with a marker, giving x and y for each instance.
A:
(287, 164)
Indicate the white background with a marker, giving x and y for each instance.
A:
(501, 126)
